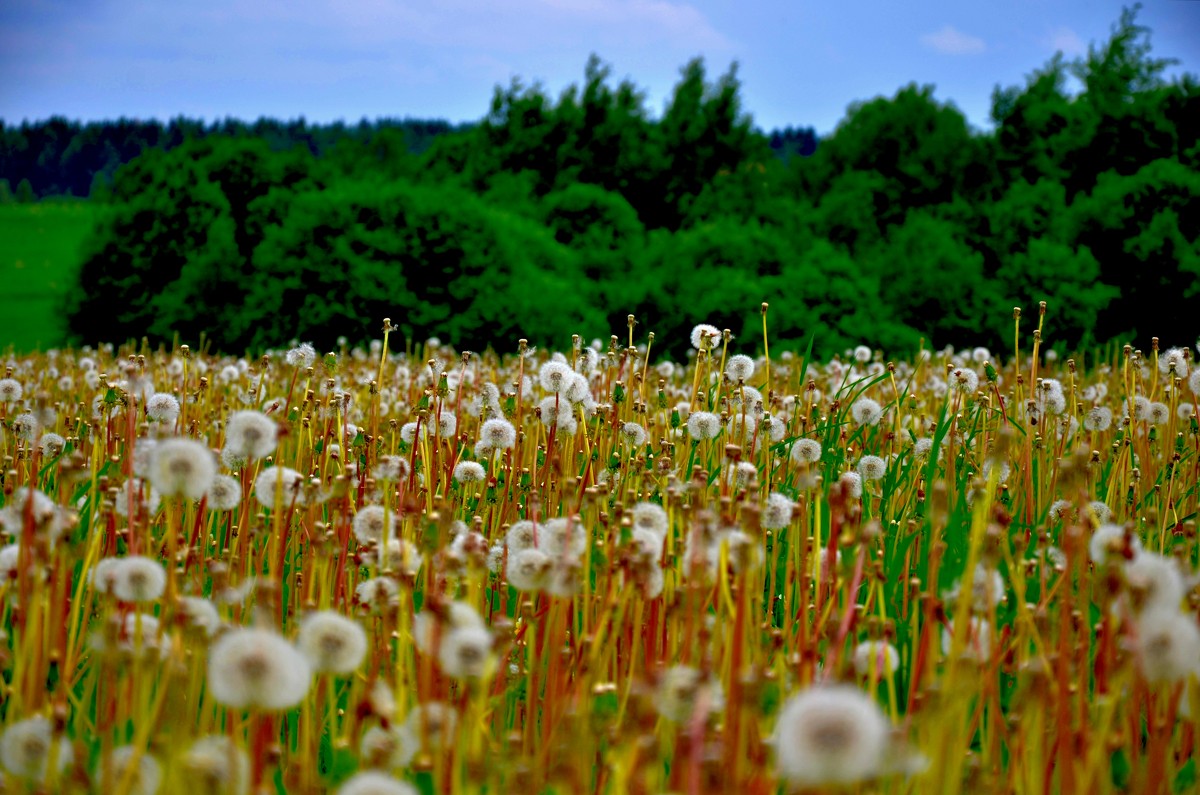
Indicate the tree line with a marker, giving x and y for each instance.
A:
(558, 215)
(59, 157)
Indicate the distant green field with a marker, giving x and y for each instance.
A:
(39, 251)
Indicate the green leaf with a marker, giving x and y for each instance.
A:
(1120, 769)
(1185, 778)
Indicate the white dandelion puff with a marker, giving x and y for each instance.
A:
(332, 642)
(833, 734)
(703, 425)
(257, 668)
(739, 368)
(182, 467)
(866, 411)
(251, 435)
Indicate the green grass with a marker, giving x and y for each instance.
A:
(39, 251)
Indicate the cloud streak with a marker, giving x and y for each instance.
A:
(949, 40)
(1067, 42)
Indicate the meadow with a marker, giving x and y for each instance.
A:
(39, 257)
(598, 570)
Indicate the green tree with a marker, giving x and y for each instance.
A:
(934, 281)
(1144, 230)
(434, 259)
(180, 237)
(916, 152)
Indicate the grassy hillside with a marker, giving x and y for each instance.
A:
(39, 250)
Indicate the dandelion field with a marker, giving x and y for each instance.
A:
(600, 571)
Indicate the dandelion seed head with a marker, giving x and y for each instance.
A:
(1155, 581)
(680, 690)
(1110, 540)
(465, 652)
(877, 658)
(499, 434)
(866, 411)
(1158, 413)
(978, 646)
(138, 579)
(372, 524)
(705, 337)
(965, 380)
(377, 593)
(251, 435)
(279, 483)
(27, 745)
(652, 517)
(987, 589)
(773, 428)
(332, 642)
(555, 411)
(301, 356)
(447, 424)
(1167, 645)
(216, 764)
(832, 734)
(806, 451)
(633, 434)
(224, 494)
(391, 469)
(1061, 510)
(739, 368)
(146, 777)
(528, 569)
(872, 467)
(1099, 510)
(199, 613)
(578, 390)
(564, 536)
(51, 445)
(1098, 418)
(410, 434)
(10, 390)
(1141, 407)
(373, 782)
(555, 376)
(852, 482)
(469, 472)
(50, 520)
(703, 425)
(1174, 362)
(521, 536)
(257, 668)
(777, 513)
(401, 554)
(163, 408)
(182, 467)
(26, 426)
(743, 474)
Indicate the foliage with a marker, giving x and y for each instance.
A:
(903, 224)
(60, 157)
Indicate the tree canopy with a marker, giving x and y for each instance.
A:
(558, 215)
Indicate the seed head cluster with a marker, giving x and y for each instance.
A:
(599, 569)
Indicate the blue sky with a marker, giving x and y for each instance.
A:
(801, 62)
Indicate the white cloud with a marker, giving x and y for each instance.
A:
(1067, 42)
(952, 41)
